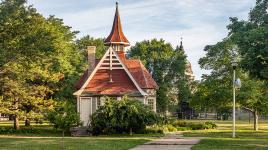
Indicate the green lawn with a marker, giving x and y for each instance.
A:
(232, 144)
(215, 139)
(84, 143)
(220, 138)
(44, 137)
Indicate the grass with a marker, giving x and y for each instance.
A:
(84, 143)
(216, 139)
(232, 144)
(44, 130)
(44, 137)
(220, 138)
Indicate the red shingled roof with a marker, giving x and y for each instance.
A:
(116, 36)
(140, 74)
(121, 84)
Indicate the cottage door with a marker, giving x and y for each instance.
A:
(85, 110)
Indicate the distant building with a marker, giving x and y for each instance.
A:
(188, 70)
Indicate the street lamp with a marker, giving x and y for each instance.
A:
(234, 65)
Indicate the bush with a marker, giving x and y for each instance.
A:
(9, 130)
(161, 128)
(182, 125)
(210, 125)
(151, 130)
(124, 116)
(169, 128)
(178, 123)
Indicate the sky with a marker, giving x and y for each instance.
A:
(198, 22)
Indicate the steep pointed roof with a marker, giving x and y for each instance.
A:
(116, 36)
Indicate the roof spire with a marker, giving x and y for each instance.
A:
(116, 36)
(181, 46)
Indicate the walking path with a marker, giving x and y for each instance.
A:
(169, 142)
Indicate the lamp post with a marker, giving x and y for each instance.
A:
(234, 65)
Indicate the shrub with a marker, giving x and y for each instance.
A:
(179, 123)
(151, 130)
(162, 120)
(182, 125)
(197, 126)
(123, 116)
(9, 130)
(162, 128)
(210, 125)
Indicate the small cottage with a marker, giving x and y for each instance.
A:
(113, 75)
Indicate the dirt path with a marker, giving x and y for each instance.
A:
(169, 142)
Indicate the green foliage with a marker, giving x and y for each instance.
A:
(167, 66)
(253, 95)
(63, 117)
(214, 90)
(7, 130)
(180, 126)
(85, 41)
(251, 38)
(123, 116)
(194, 125)
(39, 61)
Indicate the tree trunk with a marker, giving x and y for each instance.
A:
(256, 120)
(249, 117)
(27, 122)
(62, 140)
(130, 131)
(16, 122)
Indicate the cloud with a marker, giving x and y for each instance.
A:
(199, 22)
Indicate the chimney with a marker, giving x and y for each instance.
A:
(122, 55)
(91, 58)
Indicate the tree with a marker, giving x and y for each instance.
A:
(251, 38)
(63, 117)
(38, 61)
(253, 96)
(215, 92)
(166, 65)
(85, 41)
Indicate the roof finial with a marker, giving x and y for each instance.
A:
(116, 3)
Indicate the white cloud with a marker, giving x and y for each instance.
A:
(199, 22)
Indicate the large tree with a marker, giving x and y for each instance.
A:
(167, 66)
(251, 36)
(215, 90)
(38, 58)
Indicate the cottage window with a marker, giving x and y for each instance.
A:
(151, 103)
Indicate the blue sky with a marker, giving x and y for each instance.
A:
(199, 22)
